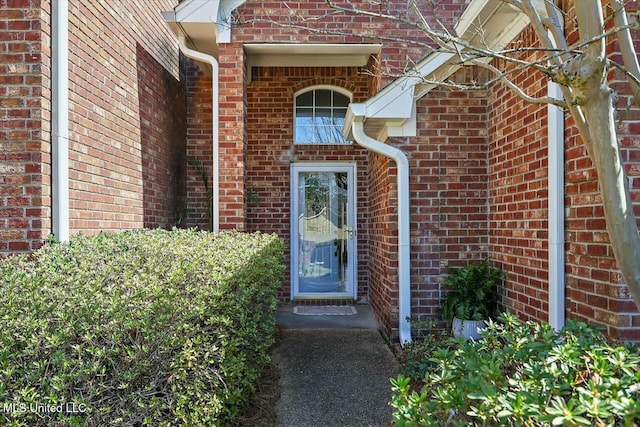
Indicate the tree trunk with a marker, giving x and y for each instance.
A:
(604, 151)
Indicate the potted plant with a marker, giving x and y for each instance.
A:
(472, 299)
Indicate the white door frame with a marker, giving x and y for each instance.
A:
(352, 268)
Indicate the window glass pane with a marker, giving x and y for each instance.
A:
(305, 99)
(325, 135)
(339, 100)
(337, 135)
(338, 122)
(323, 98)
(339, 112)
(323, 117)
(304, 117)
(319, 117)
(304, 134)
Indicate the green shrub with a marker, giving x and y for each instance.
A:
(523, 374)
(149, 328)
(473, 293)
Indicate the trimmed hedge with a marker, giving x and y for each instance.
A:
(142, 328)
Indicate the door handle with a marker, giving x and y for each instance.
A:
(351, 232)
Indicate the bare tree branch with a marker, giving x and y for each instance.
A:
(517, 90)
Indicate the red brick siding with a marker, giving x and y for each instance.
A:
(596, 291)
(383, 243)
(162, 103)
(120, 142)
(518, 192)
(270, 151)
(448, 168)
(199, 147)
(231, 136)
(265, 21)
(25, 149)
(448, 187)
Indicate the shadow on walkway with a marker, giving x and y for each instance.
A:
(334, 371)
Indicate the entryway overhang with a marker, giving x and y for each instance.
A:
(309, 55)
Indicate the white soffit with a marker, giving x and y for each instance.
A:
(493, 23)
(309, 55)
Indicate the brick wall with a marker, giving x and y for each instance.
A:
(312, 21)
(162, 104)
(518, 195)
(270, 151)
(383, 243)
(233, 136)
(126, 116)
(232, 141)
(595, 290)
(199, 148)
(448, 187)
(448, 169)
(127, 119)
(25, 149)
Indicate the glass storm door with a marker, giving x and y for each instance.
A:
(323, 231)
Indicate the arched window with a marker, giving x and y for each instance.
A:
(319, 115)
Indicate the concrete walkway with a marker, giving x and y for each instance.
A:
(334, 371)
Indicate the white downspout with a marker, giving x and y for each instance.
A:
(203, 57)
(60, 120)
(555, 129)
(404, 242)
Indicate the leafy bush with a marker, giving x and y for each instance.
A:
(474, 292)
(142, 328)
(523, 374)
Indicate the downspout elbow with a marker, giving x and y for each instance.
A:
(404, 243)
(211, 60)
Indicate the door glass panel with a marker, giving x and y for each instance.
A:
(322, 214)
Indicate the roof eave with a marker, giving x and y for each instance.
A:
(391, 112)
(203, 23)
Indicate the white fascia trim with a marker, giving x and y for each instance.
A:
(396, 99)
(505, 20)
(216, 12)
(396, 102)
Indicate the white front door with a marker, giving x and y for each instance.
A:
(323, 231)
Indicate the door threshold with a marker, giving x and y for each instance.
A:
(319, 300)
(325, 310)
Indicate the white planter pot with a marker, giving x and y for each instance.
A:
(467, 328)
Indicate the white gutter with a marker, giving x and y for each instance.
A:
(555, 135)
(404, 242)
(60, 120)
(203, 57)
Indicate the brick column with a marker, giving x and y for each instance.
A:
(25, 150)
(233, 137)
